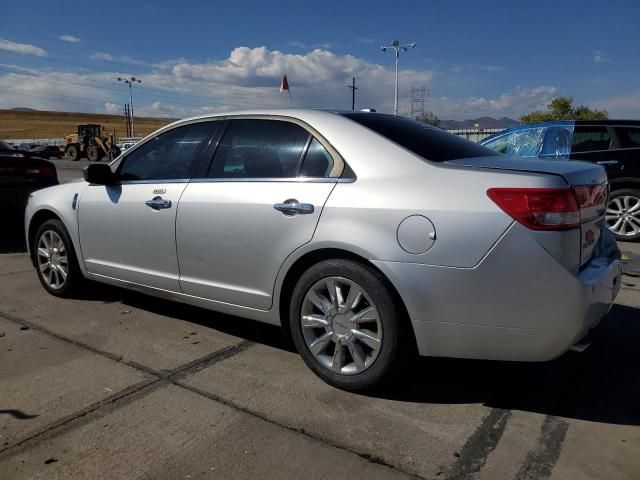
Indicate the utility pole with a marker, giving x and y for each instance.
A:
(130, 82)
(397, 48)
(353, 93)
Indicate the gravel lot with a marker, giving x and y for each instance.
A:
(120, 385)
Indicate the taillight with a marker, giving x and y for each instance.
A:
(551, 208)
(539, 208)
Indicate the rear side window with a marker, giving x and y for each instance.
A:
(424, 140)
(317, 161)
(590, 138)
(259, 149)
(629, 137)
(169, 156)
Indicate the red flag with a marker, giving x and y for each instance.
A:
(284, 85)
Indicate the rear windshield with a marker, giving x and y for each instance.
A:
(424, 140)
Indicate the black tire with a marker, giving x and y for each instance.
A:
(74, 280)
(376, 287)
(72, 153)
(114, 153)
(624, 232)
(93, 153)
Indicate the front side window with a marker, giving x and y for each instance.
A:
(522, 143)
(169, 156)
(629, 137)
(255, 148)
(590, 139)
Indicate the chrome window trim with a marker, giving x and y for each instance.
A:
(339, 165)
(147, 182)
(271, 180)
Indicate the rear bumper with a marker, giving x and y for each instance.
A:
(517, 304)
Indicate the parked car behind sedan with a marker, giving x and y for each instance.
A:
(363, 235)
(40, 150)
(614, 144)
(21, 175)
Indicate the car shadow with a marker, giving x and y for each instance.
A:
(12, 239)
(600, 385)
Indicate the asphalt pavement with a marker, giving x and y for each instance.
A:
(116, 384)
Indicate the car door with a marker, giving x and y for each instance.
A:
(259, 201)
(627, 152)
(127, 230)
(591, 143)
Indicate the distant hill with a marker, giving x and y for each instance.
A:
(23, 109)
(484, 122)
(27, 123)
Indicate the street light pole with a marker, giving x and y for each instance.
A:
(397, 48)
(130, 82)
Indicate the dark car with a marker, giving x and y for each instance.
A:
(39, 150)
(614, 144)
(19, 176)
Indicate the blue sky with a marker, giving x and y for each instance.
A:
(477, 58)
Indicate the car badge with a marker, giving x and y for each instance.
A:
(159, 191)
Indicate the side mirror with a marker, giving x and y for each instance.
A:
(99, 174)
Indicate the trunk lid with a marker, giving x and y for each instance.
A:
(587, 180)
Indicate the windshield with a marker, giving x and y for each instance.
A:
(424, 140)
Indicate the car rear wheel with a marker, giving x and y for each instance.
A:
(344, 324)
(55, 260)
(623, 214)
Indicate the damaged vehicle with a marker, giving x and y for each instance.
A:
(614, 144)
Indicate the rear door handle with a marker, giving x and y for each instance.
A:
(294, 207)
(158, 203)
(608, 162)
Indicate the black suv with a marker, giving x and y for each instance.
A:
(614, 144)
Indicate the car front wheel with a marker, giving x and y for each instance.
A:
(55, 260)
(623, 214)
(345, 324)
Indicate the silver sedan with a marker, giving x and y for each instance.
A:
(365, 236)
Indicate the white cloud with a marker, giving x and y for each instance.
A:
(69, 38)
(599, 56)
(250, 78)
(108, 57)
(620, 106)
(510, 104)
(112, 108)
(21, 48)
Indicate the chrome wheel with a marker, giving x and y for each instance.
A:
(623, 215)
(53, 263)
(341, 325)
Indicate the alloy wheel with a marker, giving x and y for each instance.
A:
(623, 215)
(341, 325)
(53, 263)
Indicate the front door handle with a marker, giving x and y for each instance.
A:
(293, 207)
(608, 162)
(158, 203)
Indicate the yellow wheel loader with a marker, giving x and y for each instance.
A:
(90, 142)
